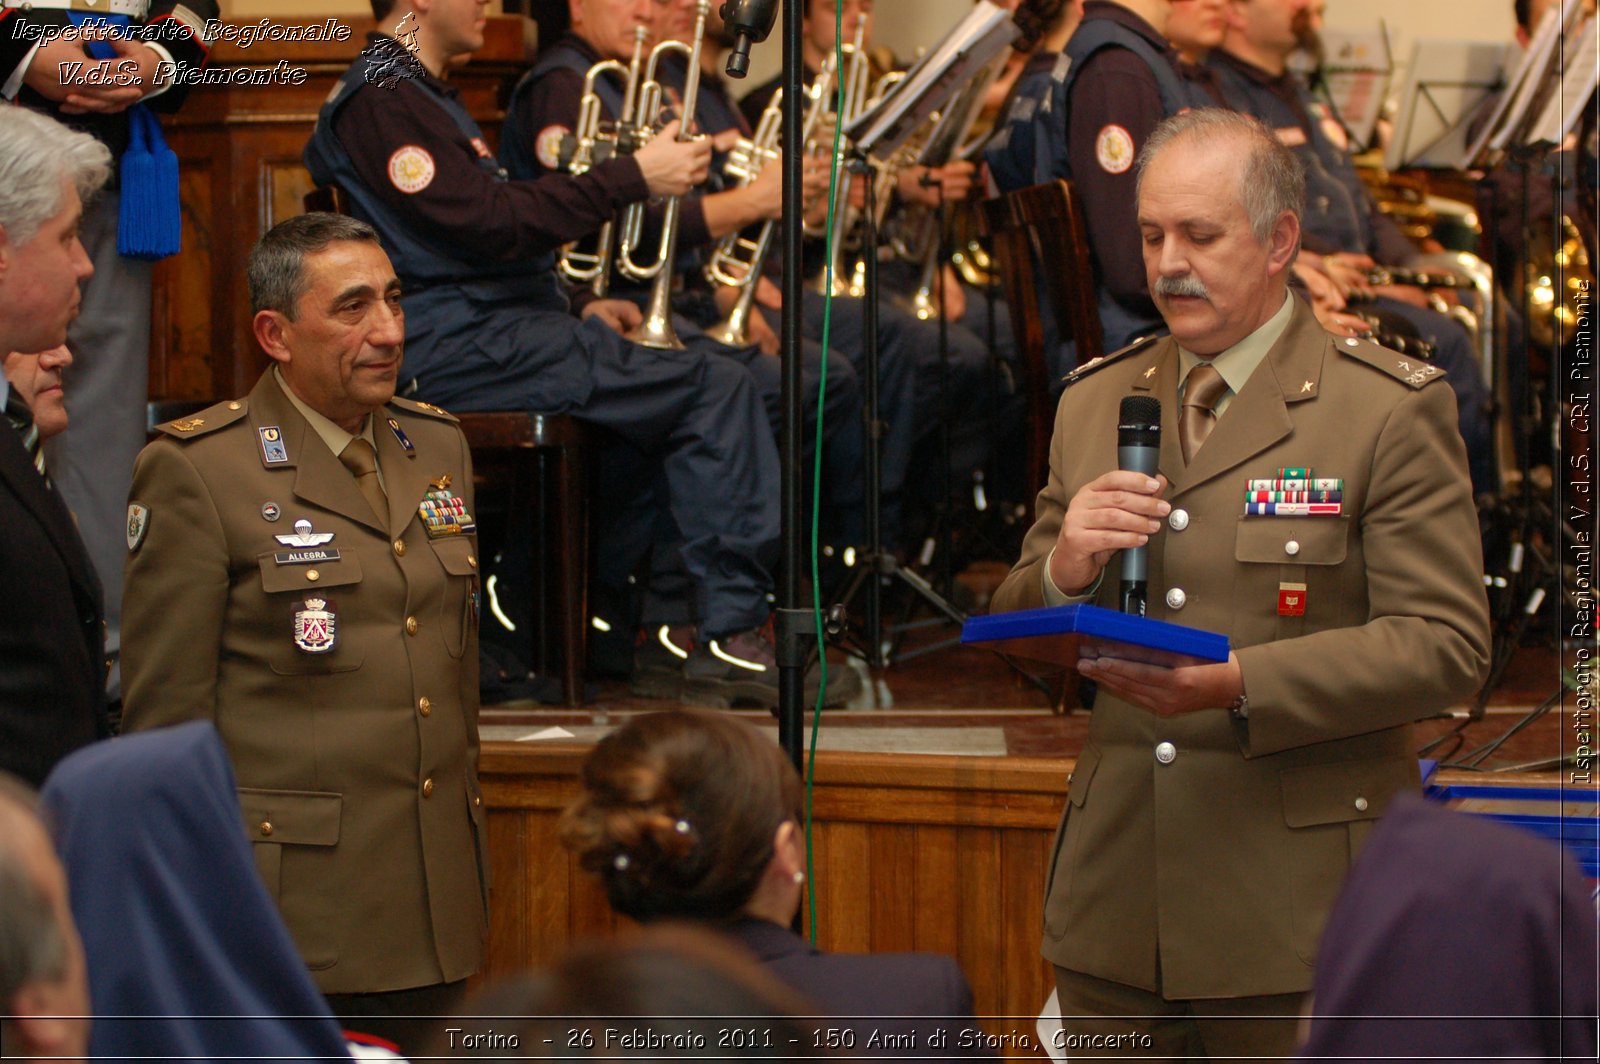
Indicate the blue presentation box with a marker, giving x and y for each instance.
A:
(1054, 634)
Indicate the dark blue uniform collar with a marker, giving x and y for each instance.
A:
(1105, 9)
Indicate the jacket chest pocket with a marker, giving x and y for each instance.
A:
(1291, 566)
(458, 557)
(311, 597)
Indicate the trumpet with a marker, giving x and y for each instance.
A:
(577, 265)
(656, 330)
(737, 260)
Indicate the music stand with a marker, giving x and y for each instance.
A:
(1356, 68)
(1445, 87)
(964, 53)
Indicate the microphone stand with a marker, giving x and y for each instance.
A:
(878, 565)
(795, 631)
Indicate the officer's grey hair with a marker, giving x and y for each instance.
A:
(277, 263)
(36, 152)
(1271, 181)
(32, 948)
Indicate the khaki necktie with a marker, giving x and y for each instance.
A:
(1200, 395)
(359, 457)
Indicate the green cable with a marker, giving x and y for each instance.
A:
(816, 471)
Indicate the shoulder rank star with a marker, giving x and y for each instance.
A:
(189, 424)
(1306, 387)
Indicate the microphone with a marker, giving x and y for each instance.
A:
(1138, 450)
(748, 22)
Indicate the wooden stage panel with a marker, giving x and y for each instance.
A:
(913, 852)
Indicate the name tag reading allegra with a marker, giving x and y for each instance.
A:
(305, 557)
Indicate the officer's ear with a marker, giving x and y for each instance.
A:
(1284, 243)
(271, 329)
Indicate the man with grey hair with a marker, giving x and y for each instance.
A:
(1215, 808)
(44, 989)
(302, 570)
(52, 639)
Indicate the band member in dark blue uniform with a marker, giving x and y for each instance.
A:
(489, 327)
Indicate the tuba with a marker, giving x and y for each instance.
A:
(591, 143)
(656, 330)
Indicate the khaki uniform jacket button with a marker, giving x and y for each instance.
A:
(266, 827)
(399, 548)
(427, 787)
(424, 706)
(412, 626)
(477, 799)
(1361, 805)
(1176, 598)
(1292, 547)
(1166, 753)
(1178, 520)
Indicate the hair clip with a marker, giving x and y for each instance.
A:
(620, 862)
(682, 827)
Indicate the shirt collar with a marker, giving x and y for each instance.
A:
(1238, 362)
(335, 437)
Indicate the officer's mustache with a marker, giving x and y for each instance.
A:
(1185, 285)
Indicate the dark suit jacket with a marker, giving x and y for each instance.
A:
(883, 999)
(52, 632)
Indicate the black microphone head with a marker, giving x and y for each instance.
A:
(1140, 412)
(739, 58)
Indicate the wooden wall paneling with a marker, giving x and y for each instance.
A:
(182, 313)
(896, 891)
(981, 948)
(549, 875)
(844, 893)
(1027, 977)
(934, 870)
(509, 935)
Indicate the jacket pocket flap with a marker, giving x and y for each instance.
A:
(307, 570)
(1343, 791)
(1292, 540)
(458, 555)
(1083, 775)
(297, 818)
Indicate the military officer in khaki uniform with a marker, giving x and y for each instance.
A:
(1215, 808)
(321, 609)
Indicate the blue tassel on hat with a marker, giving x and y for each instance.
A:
(149, 223)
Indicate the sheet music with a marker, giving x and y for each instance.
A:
(1356, 68)
(1578, 82)
(933, 79)
(1531, 77)
(1446, 84)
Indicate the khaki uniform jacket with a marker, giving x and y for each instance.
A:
(1221, 863)
(357, 767)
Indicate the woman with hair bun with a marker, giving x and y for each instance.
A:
(696, 816)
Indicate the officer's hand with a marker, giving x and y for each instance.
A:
(63, 72)
(1163, 691)
(671, 167)
(619, 314)
(1113, 512)
(725, 140)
